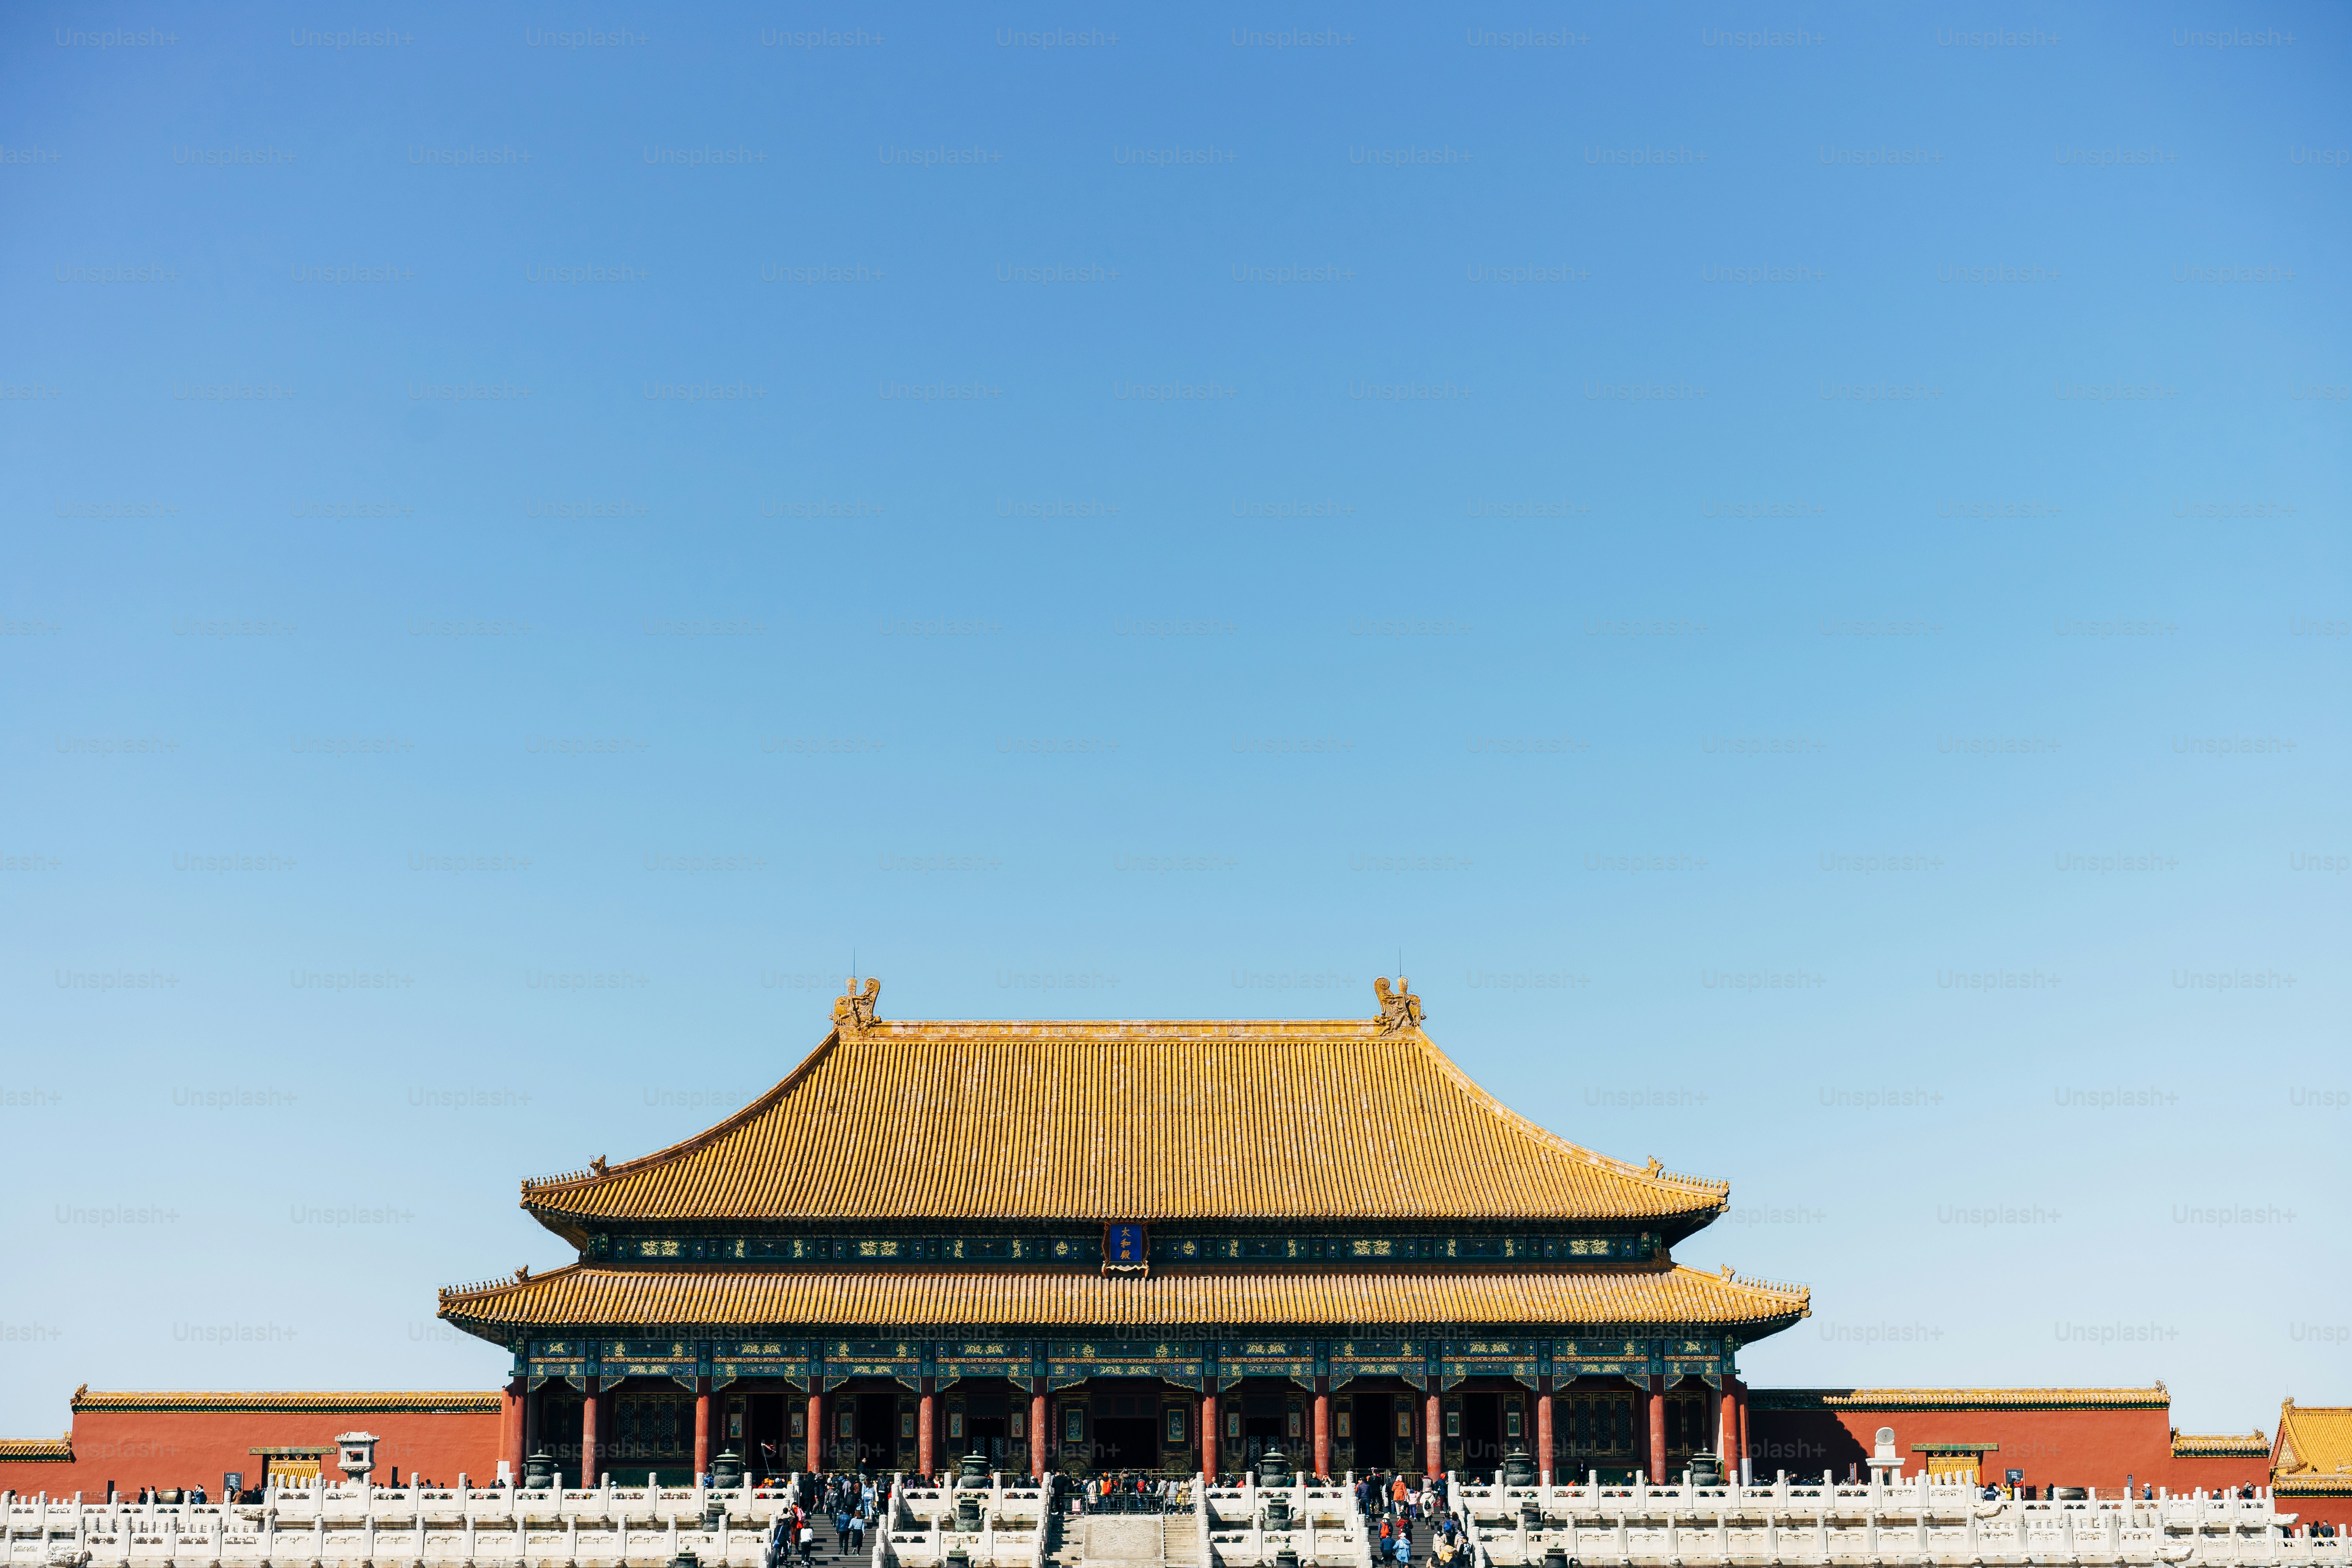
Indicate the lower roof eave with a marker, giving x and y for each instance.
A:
(1647, 1302)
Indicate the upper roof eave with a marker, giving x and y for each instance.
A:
(1580, 1183)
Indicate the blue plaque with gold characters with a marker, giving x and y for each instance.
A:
(1126, 1249)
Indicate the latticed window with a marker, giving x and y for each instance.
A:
(1594, 1424)
(652, 1426)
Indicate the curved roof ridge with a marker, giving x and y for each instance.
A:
(684, 1146)
(1653, 1173)
(480, 1289)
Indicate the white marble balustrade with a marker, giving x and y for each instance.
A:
(1925, 1521)
(357, 1525)
(1325, 1527)
(919, 1529)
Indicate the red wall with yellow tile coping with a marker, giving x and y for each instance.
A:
(194, 1448)
(2094, 1447)
(2097, 1446)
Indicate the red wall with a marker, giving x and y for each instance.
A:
(192, 1447)
(2334, 1507)
(2098, 1445)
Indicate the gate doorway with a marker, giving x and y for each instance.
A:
(769, 1444)
(1369, 1425)
(987, 1429)
(1126, 1443)
(1262, 1426)
(1482, 1434)
(877, 1429)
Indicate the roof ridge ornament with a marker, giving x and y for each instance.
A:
(1399, 1010)
(853, 1010)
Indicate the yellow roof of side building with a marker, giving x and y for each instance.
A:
(1344, 1119)
(2153, 1397)
(442, 1399)
(2314, 1448)
(588, 1296)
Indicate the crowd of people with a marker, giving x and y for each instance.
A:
(846, 1504)
(1128, 1492)
(1394, 1504)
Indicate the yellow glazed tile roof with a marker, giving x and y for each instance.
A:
(364, 1399)
(2314, 1441)
(1125, 1121)
(2218, 1444)
(585, 1296)
(37, 1450)
(1962, 1398)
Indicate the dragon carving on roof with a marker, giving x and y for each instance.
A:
(853, 1011)
(1400, 1009)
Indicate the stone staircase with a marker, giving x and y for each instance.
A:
(1421, 1536)
(1060, 1551)
(1125, 1541)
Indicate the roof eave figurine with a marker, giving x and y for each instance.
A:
(1400, 1009)
(853, 1011)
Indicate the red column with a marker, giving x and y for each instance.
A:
(1740, 1435)
(1037, 1435)
(923, 1431)
(1543, 1434)
(1657, 1431)
(1322, 1434)
(1435, 1420)
(701, 1427)
(1208, 1440)
(510, 1429)
(590, 1409)
(815, 1430)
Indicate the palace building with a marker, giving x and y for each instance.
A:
(1142, 1246)
(1134, 1246)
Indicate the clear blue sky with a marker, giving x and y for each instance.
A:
(535, 537)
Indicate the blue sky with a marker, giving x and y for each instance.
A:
(1789, 564)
